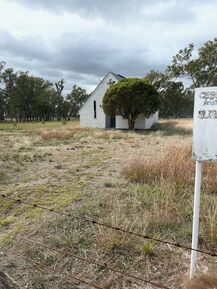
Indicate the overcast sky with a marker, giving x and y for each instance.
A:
(81, 40)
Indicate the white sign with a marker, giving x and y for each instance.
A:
(205, 124)
(204, 149)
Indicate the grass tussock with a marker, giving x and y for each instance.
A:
(203, 281)
(57, 134)
(174, 166)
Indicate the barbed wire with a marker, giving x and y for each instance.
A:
(91, 261)
(74, 278)
(87, 219)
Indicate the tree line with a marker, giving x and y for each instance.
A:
(24, 97)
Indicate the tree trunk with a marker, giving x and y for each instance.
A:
(131, 123)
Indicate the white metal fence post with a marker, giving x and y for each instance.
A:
(195, 229)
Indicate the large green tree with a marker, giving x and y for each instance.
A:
(175, 99)
(129, 98)
(25, 98)
(200, 69)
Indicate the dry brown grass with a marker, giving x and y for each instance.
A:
(81, 175)
(56, 134)
(60, 134)
(203, 281)
(175, 166)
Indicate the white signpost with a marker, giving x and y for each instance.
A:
(204, 149)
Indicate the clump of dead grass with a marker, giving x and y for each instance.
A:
(203, 281)
(175, 166)
(57, 134)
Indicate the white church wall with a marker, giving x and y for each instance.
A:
(87, 112)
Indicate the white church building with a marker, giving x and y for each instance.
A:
(93, 116)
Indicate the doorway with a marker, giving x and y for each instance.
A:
(113, 122)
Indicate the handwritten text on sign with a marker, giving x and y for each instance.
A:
(205, 124)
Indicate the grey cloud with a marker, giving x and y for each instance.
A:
(116, 11)
(85, 54)
(94, 55)
(85, 58)
(173, 12)
(82, 58)
(92, 7)
(30, 47)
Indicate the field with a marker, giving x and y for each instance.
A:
(107, 176)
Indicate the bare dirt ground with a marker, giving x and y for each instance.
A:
(60, 166)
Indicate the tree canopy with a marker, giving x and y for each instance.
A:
(76, 99)
(175, 99)
(24, 97)
(129, 98)
(200, 67)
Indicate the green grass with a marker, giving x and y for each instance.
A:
(29, 126)
(6, 221)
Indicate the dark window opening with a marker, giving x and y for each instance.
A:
(94, 108)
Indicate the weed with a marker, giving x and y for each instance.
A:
(148, 248)
(5, 221)
(5, 240)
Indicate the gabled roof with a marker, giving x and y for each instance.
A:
(117, 76)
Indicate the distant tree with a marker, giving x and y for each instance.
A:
(2, 105)
(76, 99)
(9, 78)
(201, 70)
(175, 100)
(65, 109)
(129, 98)
(59, 88)
(2, 97)
(26, 98)
(45, 107)
(157, 79)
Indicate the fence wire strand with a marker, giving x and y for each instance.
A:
(69, 276)
(94, 262)
(87, 219)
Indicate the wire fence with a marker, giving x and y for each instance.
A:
(89, 261)
(109, 226)
(69, 276)
(63, 252)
